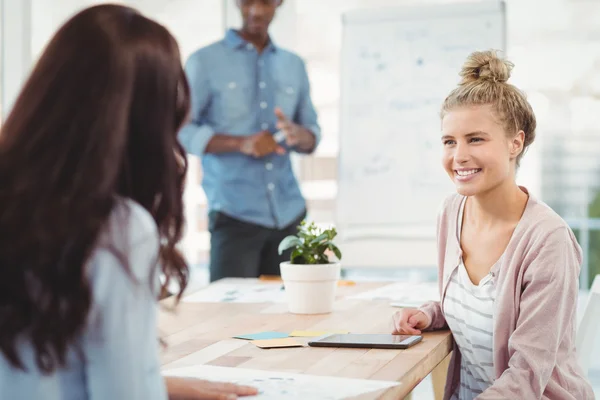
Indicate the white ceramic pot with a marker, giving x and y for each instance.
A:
(310, 289)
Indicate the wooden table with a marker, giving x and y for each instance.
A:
(201, 333)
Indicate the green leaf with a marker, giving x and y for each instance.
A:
(319, 238)
(335, 250)
(297, 257)
(303, 235)
(289, 242)
(311, 244)
(322, 259)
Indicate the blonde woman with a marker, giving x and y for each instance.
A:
(508, 264)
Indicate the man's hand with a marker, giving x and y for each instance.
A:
(295, 135)
(260, 144)
(197, 389)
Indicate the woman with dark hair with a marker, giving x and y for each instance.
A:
(91, 185)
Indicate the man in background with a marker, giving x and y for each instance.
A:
(245, 89)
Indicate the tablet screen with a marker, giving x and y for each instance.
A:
(367, 340)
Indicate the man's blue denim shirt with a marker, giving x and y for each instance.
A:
(235, 91)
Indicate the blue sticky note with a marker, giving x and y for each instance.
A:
(263, 336)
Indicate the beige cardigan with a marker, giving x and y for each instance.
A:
(534, 318)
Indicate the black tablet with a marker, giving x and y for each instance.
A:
(369, 341)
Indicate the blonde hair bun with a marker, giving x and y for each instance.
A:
(485, 66)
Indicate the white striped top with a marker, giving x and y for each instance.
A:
(469, 312)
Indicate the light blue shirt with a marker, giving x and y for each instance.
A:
(120, 344)
(235, 91)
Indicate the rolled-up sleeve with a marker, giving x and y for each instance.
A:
(306, 114)
(195, 136)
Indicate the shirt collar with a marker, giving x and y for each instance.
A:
(235, 41)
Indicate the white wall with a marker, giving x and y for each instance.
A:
(194, 23)
(27, 25)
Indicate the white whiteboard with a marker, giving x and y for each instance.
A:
(398, 65)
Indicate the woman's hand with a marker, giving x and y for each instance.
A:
(409, 321)
(198, 389)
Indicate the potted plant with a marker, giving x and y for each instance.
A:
(310, 278)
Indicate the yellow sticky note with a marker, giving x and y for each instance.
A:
(315, 333)
(274, 343)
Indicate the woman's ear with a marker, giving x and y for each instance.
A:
(516, 144)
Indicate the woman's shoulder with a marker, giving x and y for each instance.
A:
(544, 231)
(128, 223)
(130, 236)
(540, 221)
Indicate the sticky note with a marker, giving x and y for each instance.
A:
(262, 335)
(315, 333)
(276, 343)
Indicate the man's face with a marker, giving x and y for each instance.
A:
(257, 15)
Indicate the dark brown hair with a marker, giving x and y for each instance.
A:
(97, 120)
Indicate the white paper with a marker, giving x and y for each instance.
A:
(280, 385)
(403, 293)
(239, 293)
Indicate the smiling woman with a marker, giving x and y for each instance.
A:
(485, 121)
(502, 253)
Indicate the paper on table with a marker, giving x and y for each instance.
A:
(240, 293)
(285, 386)
(408, 293)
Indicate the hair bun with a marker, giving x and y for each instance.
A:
(485, 66)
